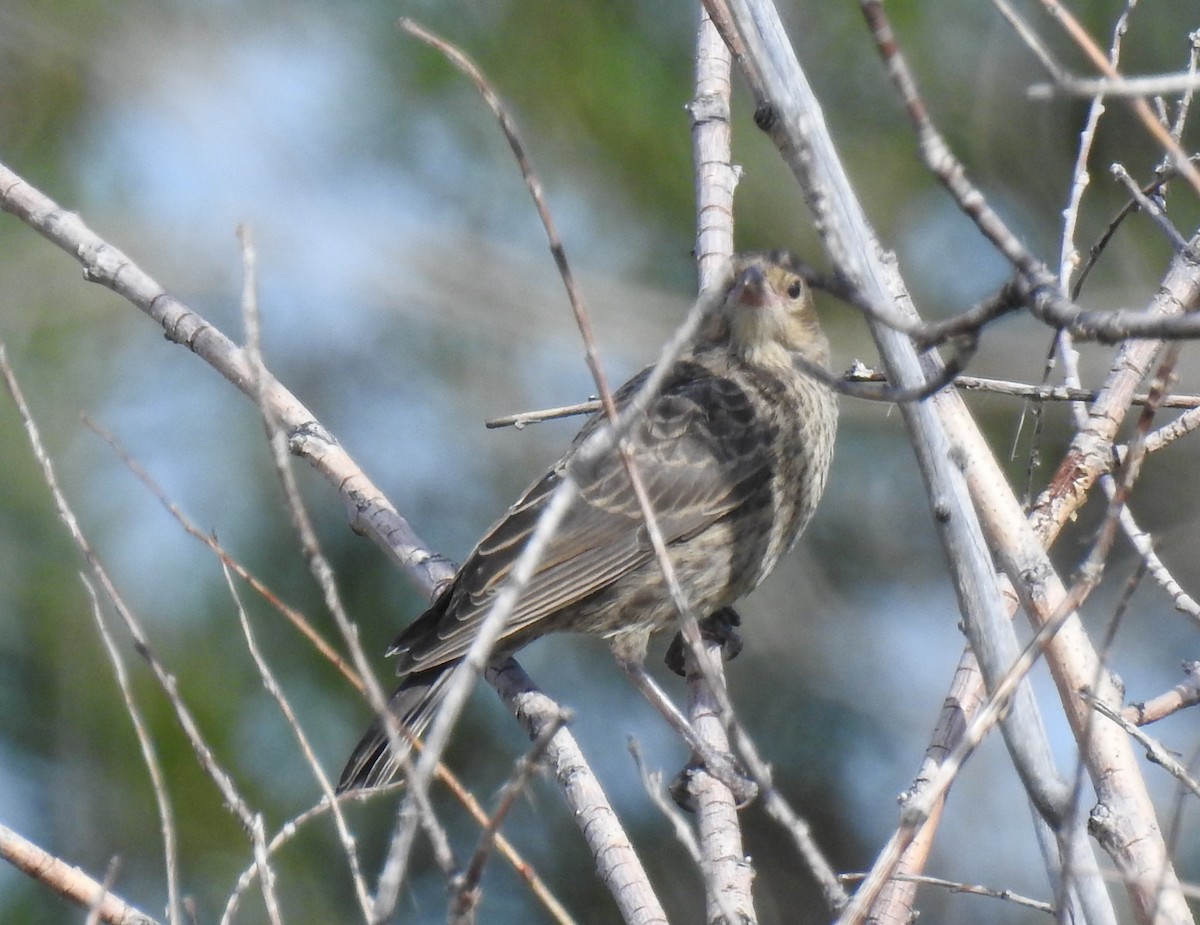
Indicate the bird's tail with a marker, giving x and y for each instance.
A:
(373, 762)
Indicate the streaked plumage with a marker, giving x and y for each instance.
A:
(734, 452)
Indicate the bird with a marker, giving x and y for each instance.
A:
(734, 451)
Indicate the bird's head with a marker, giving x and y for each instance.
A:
(766, 313)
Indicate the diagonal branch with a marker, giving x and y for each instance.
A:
(944, 434)
(370, 513)
(67, 881)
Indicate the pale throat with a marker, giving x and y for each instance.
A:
(768, 354)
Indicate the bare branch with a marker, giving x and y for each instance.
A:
(1141, 108)
(1155, 751)
(793, 119)
(1183, 695)
(728, 875)
(250, 821)
(1151, 208)
(970, 888)
(69, 882)
(716, 176)
(468, 891)
(349, 846)
(652, 784)
(594, 814)
(522, 419)
(370, 512)
(1149, 85)
(149, 757)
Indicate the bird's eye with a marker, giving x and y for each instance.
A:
(795, 289)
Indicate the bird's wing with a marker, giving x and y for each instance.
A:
(700, 449)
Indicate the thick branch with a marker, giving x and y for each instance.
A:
(794, 122)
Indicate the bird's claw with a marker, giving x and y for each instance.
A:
(742, 787)
(721, 627)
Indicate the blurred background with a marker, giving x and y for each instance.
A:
(407, 296)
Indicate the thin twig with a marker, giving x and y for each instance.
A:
(298, 620)
(468, 891)
(166, 815)
(714, 755)
(1006, 387)
(250, 314)
(1152, 208)
(110, 877)
(250, 821)
(345, 836)
(1155, 751)
(1041, 393)
(522, 419)
(290, 830)
(1148, 85)
(323, 574)
(652, 785)
(370, 512)
(1163, 175)
(1031, 39)
(1141, 108)
(1143, 544)
(956, 887)
(1185, 103)
(1183, 695)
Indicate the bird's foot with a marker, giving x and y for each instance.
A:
(719, 627)
(685, 787)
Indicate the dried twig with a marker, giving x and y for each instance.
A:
(158, 782)
(468, 891)
(652, 784)
(1148, 85)
(957, 887)
(370, 512)
(1151, 207)
(298, 620)
(349, 846)
(69, 882)
(1183, 695)
(791, 116)
(1155, 751)
(250, 821)
(1141, 108)
(1006, 387)
(524, 418)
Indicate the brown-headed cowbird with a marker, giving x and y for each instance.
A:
(734, 452)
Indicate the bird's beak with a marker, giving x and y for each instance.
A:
(751, 288)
